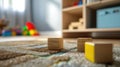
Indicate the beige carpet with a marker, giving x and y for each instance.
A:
(31, 58)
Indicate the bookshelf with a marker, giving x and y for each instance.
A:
(87, 11)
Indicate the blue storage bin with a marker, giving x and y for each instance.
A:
(108, 18)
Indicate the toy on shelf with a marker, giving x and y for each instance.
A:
(55, 43)
(31, 29)
(75, 3)
(81, 43)
(77, 25)
(99, 52)
(80, 2)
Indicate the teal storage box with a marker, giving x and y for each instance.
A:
(108, 18)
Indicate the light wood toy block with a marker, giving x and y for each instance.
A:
(77, 25)
(74, 23)
(74, 27)
(81, 20)
(99, 53)
(55, 43)
(81, 43)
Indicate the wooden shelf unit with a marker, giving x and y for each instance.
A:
(74, 10)
(94, 30)
(102, 4)
(86, 11)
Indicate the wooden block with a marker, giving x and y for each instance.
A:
(76, 26)
(74, 23)
(81, 43)
(55, 43)
(99, 52)
(81, 20)
(73, 27)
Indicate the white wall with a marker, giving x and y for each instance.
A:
(47, 15)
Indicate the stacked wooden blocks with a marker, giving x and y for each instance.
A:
(55, 43)
(99, 52)
(81, 43)
(77, 25)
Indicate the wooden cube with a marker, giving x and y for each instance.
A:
(81, 20)
(55, 43)
(73, 27)
(76, 25)
(81, 43)
(99, 52)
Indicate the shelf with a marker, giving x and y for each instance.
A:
(102, 4)
(73, 10)
(94, 30)
(88, 11)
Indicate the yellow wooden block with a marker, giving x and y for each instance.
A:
(55, 43)
(99, 52)
(81, 43)
(89, 51)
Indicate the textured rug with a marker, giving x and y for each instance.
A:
(32, 54)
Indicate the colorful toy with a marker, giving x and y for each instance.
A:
(6, 33)
(13, 32)
(31, 28)
(26, 33)
(75, 3)
(99, 52)
(80, 2)
(30, 25)
(32, 32)
(18, 32)
(25, 28)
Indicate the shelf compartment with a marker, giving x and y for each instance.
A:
(93, 30)
(74, 10)
(68, 18)
(102, 4)
(91, 18)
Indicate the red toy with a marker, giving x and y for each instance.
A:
(30, 25)
(31, 28)
(75, 3)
